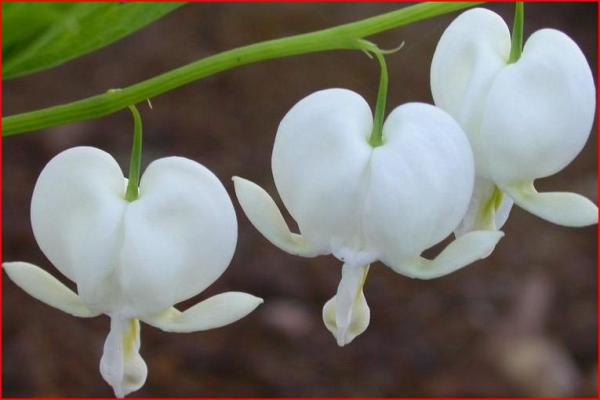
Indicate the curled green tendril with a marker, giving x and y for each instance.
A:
(376, 138)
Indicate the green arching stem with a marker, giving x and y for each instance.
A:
(339, 37)
(517, 33)
(135, 161)
(376, 138)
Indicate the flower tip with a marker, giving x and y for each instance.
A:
(8, 267)
(254, 301)
(14, 271)
(119, 392)
(342, 338)
(345, 333)
(241, 185)
(492, 238)
(13, 268)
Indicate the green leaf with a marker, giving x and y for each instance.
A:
(37, 36)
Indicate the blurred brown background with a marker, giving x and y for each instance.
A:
(521, 323)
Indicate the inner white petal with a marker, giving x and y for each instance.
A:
(121, 365)
(349, 288)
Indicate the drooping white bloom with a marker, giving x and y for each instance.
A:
(132, 261)
(525, 120)
(363, 203)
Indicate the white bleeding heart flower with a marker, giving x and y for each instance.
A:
(132, 260)
(363, 203)
(525, 120)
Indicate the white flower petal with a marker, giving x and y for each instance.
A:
(46, 288)
(420, 182)
(503, 211)
(179, 236)
(264, 214)
(121, 365)
(76, 215)
(458, 254)
(470, 53)
(214, 312)
(319, 163)
(479, 215)
(361, 315)
(562, 208)
(540, 110)
(346, 315)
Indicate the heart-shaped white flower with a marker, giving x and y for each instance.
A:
(525, 120)
(363, 203)
(132, 261)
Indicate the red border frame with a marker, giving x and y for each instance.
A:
(336, 1)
